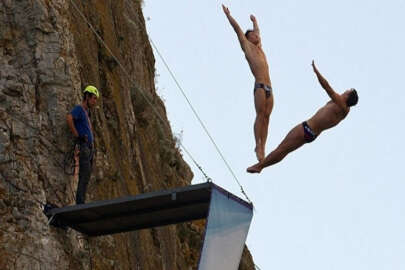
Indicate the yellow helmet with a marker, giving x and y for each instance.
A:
(91, 89)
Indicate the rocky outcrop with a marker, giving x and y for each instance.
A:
(47, 55)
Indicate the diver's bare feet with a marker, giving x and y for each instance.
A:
(254, 169)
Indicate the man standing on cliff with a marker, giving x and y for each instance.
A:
(263, 96)
(79, 123)
(326, 117)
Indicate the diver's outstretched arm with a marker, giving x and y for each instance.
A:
(236, 28)
(255, 24)
(329, 90)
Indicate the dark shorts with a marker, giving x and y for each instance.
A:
(309, 135)
(267, 89)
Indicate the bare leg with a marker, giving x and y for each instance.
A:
(293, 140)
(265, 128)
(257, 131)
(260, 123)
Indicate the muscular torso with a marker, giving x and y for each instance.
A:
(326, 117)
(258, 63)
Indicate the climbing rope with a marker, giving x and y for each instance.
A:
(155, 110)
(69, 162)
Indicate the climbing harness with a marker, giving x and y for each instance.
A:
(69, 162)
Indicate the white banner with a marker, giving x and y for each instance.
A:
(226, 231)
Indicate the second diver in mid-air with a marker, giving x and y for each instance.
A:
(328, 116)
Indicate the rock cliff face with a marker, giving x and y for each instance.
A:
(47, 55)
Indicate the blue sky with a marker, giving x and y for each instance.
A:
(338, 202)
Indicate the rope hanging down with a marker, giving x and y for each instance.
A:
(154, 109)
(208, 179)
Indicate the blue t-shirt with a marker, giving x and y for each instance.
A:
(81, 123)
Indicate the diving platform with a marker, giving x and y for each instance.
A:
(139, 212)
(228, 218)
